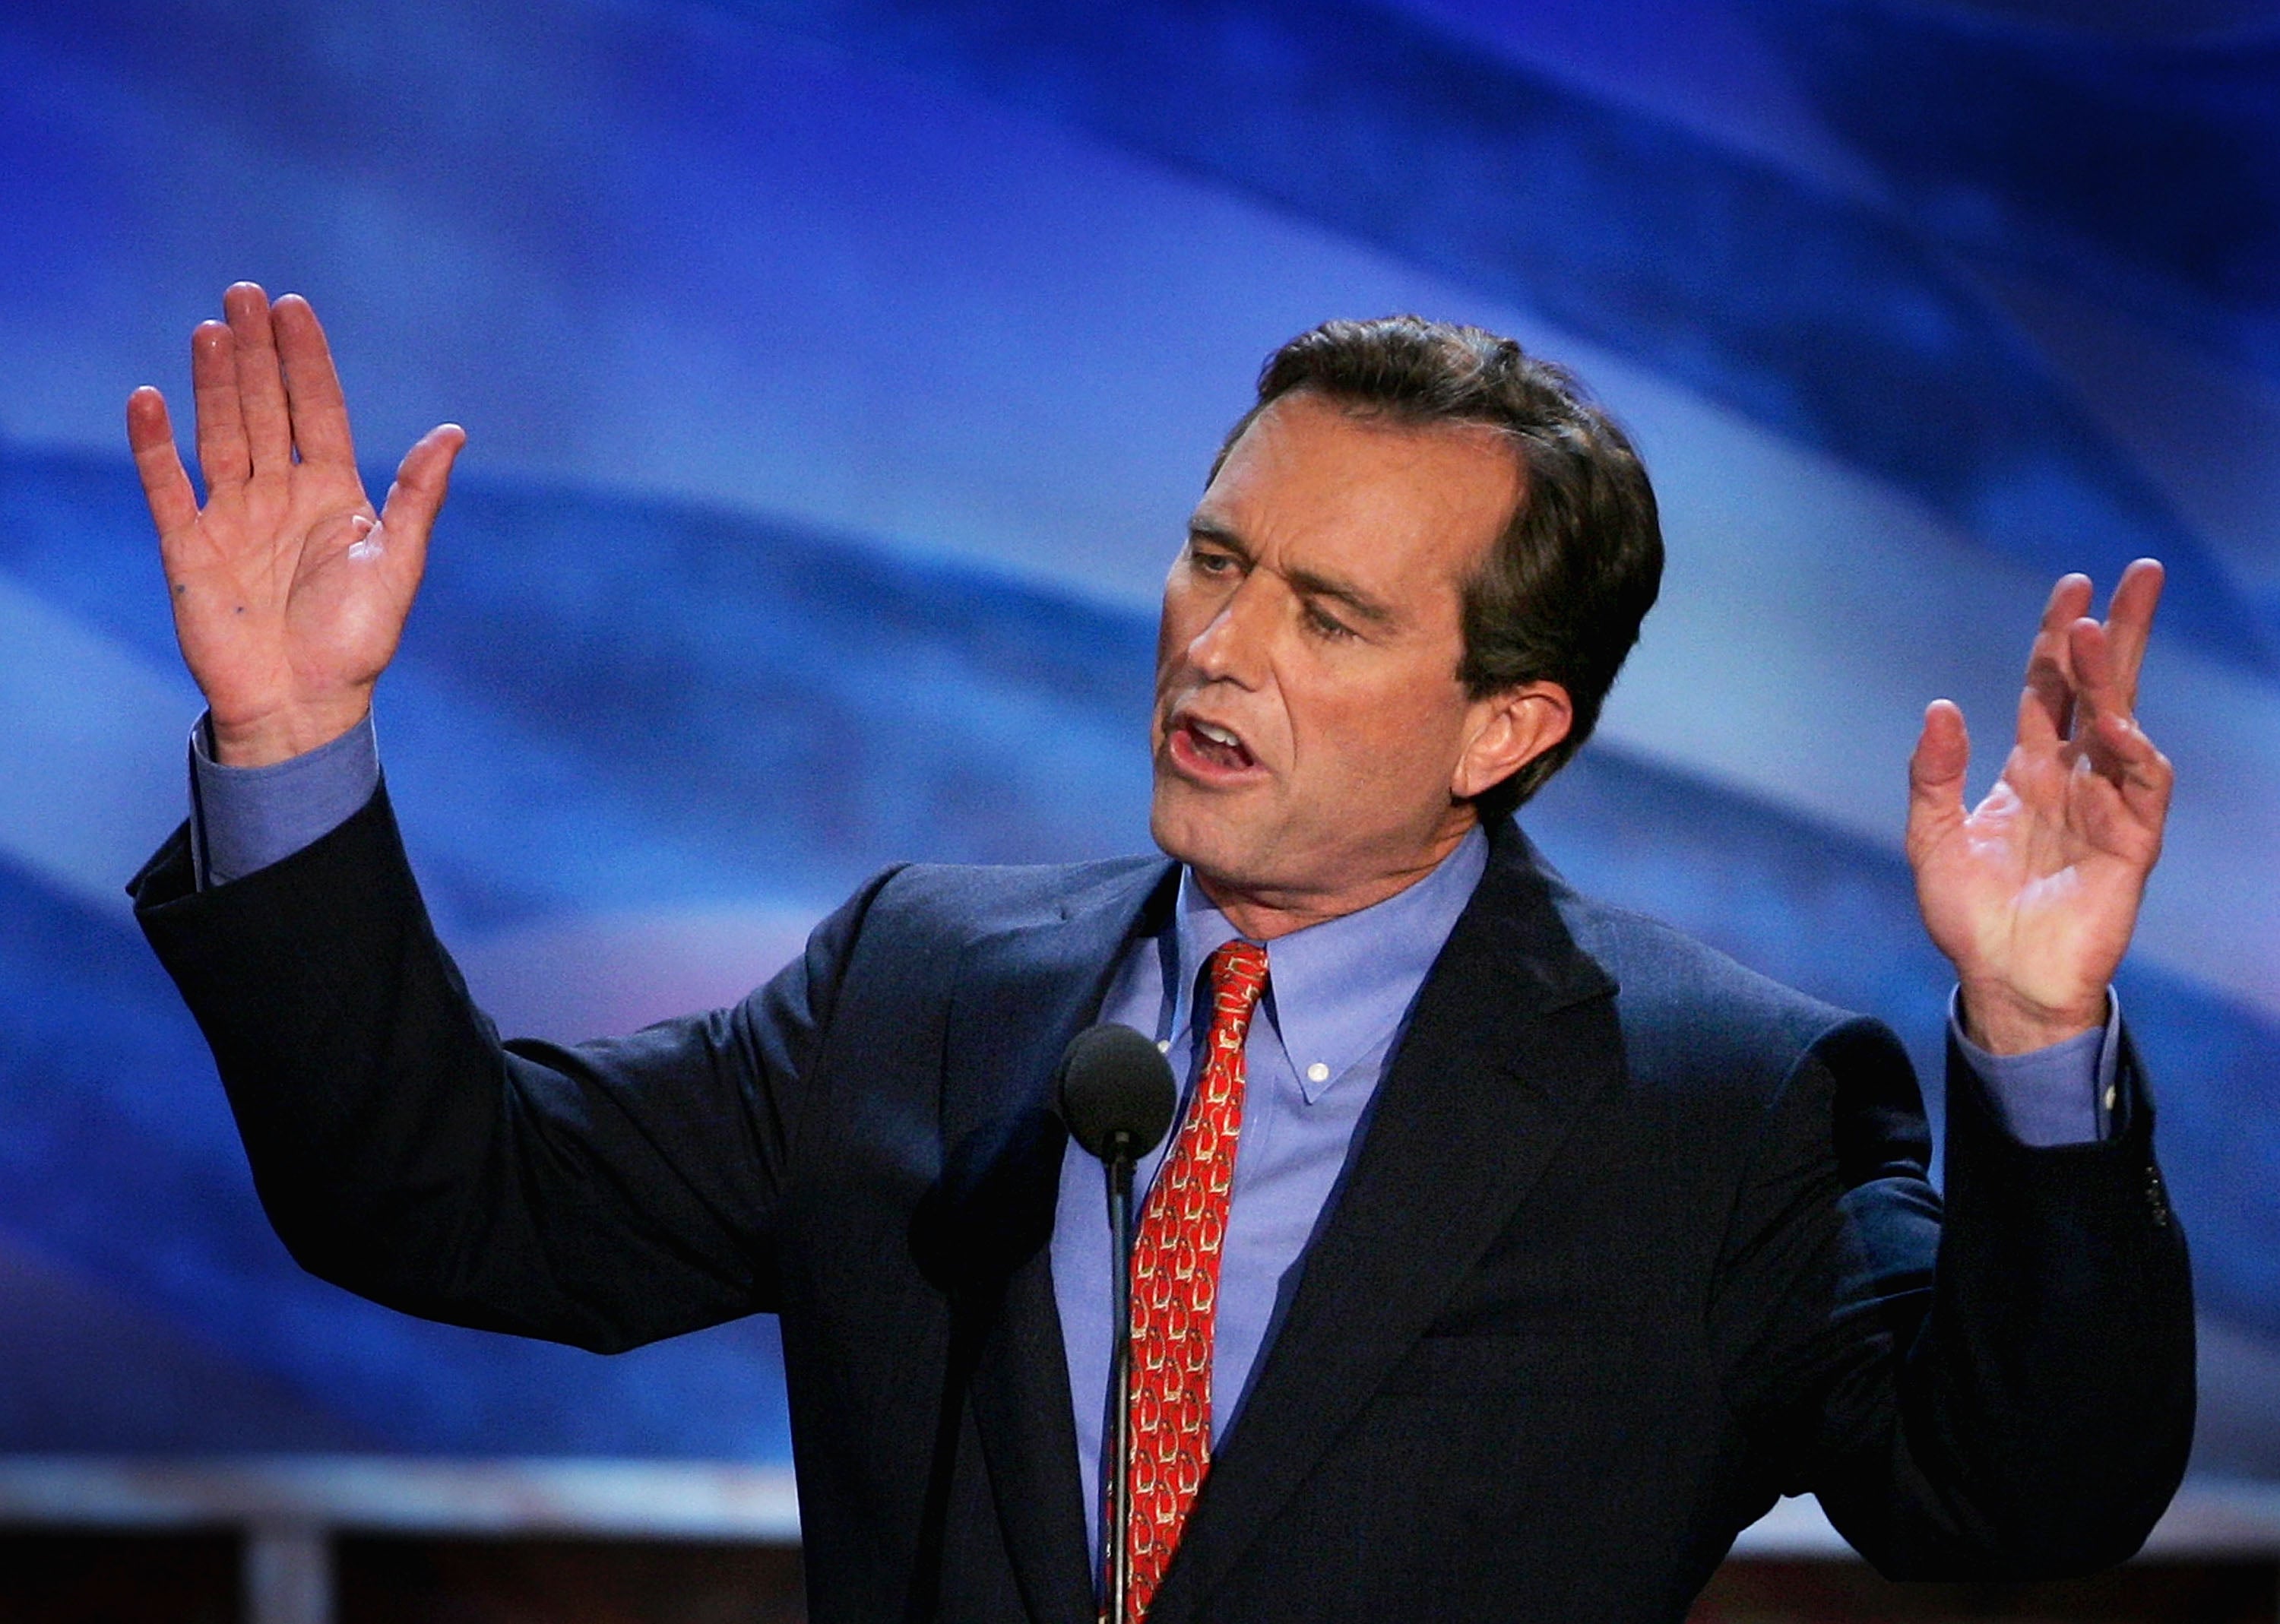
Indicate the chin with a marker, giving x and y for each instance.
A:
(1185, 826)
(1173, 831)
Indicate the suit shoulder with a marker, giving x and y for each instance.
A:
(955, 904)
(1681, 1001)
(905, 933)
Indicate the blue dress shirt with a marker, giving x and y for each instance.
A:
(1337, 995)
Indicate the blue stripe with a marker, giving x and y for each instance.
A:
(1837, 325)
(2145, 173)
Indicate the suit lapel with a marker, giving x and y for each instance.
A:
(1498, 1059)
(1021, 995)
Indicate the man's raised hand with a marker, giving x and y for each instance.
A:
(2033, 894)
(289, 592)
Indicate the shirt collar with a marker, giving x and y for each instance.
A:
(1335, 991)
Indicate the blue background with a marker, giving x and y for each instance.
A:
(838, 376)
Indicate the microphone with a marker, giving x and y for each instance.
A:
(1117, 1096)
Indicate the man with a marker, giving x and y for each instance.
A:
(1556, 1247)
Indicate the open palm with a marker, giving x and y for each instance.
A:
(289, 590)
(2033, 893)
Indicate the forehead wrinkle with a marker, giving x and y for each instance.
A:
(1355, 494)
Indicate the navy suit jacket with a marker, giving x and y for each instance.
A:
(1633, 1242)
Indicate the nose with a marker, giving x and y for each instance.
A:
(1231, 645)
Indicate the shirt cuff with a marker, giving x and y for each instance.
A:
(244, 819)
(2061, 1094)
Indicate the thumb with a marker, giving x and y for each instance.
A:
(421, 480)
(1936, 771)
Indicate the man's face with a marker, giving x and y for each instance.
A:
(1310, 734)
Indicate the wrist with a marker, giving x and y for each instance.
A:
(1999, 1020)
(280, 735)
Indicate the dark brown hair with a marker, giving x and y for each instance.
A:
(1562, 592)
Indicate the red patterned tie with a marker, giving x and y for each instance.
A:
(1175, 1282)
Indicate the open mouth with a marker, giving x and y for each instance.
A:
(1210, 747)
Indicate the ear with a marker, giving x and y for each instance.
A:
(1506, 731)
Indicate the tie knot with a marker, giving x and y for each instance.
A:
(1235, 975)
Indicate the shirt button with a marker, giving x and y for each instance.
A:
(1317, 1073)
(2112, 1094)
(1163, 1045)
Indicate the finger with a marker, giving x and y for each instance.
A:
(421, 482)
(2130, 622)
(2046, 706)
(165, 483)
(2120, 753)
(2098, 684)
(2118, 742)
(2127, 822)
(260, 386)
(2117, 748)
(222, 455)
(1935, 775)
(313, 385)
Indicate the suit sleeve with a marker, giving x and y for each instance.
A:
(603, 1195)
(1998, 1387)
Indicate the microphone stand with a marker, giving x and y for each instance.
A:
(1117, 1097)
(1120, 1160)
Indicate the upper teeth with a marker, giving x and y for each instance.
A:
(1217, 736)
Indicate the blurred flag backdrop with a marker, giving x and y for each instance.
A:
(838, 374)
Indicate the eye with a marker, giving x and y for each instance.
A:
(1323, 624)
(1210, 561)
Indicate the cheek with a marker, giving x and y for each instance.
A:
(1168, 640)
(1390, 742)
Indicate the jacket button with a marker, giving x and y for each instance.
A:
(2156, 1200)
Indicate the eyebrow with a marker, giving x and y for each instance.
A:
(1308, 583)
